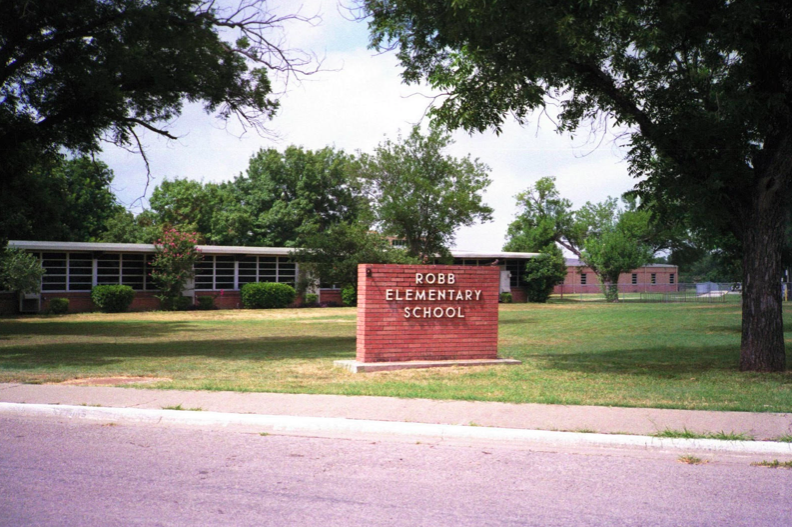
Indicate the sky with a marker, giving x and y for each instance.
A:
(353, 103)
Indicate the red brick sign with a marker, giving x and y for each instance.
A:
(427, 312)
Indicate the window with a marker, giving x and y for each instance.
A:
(80, 271)
(654, 278)
(124, 269)
(248, 270)
(671, 278)
(583, 278)
(517, 270)
(55, 265)
(634, 279)
(108, 269)
(224, 272)
(230, 272)
(204, 273)
(67, 272)
(133, 271)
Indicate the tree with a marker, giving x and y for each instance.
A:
(184, 204)
(20, 272)
(421, 195)
(59, 199)
(545, 217)
(125, 227)
(174, 264)
(702, 89)
(283, 195)
(610, 239)
(333, 255)
(73, 74)
(612, 253)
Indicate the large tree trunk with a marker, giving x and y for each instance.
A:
(762, 347)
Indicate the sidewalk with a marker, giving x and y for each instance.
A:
(470, 416)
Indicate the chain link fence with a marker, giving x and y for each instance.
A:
(706, 292)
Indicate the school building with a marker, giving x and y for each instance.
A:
(658, 278)
(73, 268)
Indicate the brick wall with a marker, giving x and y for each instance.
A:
(433, 329)
(330, 295)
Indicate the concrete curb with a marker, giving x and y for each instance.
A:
(319, 425)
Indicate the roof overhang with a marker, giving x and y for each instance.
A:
(215, 249)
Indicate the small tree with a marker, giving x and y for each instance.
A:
(612, 253)
(174, 264)
(20, 272)
(542, 274)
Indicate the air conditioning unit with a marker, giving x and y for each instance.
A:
(30, 303)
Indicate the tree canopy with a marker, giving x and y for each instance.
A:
(286, 194)
(62, 199)
(74, 74)
(421, 195)
(702, 88)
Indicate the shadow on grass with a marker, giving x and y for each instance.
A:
(23, 358)
(661, 363)
(736, 329)
(99, 329)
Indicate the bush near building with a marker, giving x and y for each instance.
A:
(113, 298)
(58, 306)
(267, 295)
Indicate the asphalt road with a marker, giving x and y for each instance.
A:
(77, 473)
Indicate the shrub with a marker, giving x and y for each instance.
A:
(349, 295)
(206, 302)
(506, 298)
(542, 274)
(112, 298)
(268, 295)
(58, 306)
(311, 299)
(181, 303)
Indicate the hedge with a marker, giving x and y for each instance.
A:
(112, 298)
(269, 295)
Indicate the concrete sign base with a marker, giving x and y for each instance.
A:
(364, 367)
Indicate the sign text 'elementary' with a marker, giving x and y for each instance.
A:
(433, 295)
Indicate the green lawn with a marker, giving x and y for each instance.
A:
(654, 355)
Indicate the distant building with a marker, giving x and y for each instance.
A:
(581, 279)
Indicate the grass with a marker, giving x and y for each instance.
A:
(773, 464)
(687, 434)
(639, 355)
(691, 460)
(784, 439)
(179, 407)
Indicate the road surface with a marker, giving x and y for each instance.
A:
(55, 472)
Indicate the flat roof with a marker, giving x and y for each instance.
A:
(575, 262)
(214, 249)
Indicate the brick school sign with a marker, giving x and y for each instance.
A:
(427, 313)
